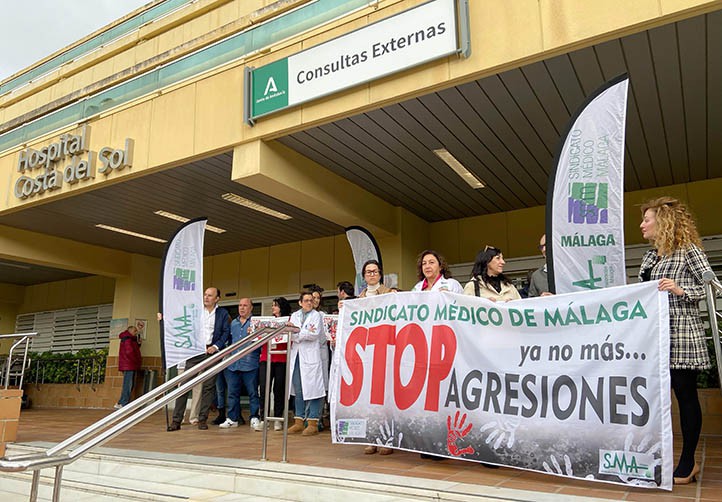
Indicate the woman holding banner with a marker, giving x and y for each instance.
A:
(373, 274)
(488, 279)
(280, 308)
(678, 262)
(434, 274)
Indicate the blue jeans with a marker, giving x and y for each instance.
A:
(310, 409)
(221, 386)
(128, 379)
(234, 380)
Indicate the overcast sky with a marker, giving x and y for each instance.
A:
(33, 29)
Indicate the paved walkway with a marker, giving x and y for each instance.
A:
(54, 425)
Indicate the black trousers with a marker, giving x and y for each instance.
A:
(278, 381)
(207, 395)
(684, 385)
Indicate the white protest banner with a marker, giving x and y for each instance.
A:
(574, 385)
(181, 294)
(259, 322)
(585, 198)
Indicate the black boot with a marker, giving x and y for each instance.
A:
(221, 417)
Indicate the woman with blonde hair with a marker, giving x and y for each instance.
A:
(678, 262)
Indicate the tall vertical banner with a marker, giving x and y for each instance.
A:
(570, 385)
(364, 248)
(585, 199)
(181, 294)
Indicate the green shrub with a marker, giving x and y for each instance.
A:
(84, 366)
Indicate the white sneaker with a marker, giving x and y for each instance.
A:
(193, 421)
(228, 424)
(256, 424)
(277, 426)
(117, 406)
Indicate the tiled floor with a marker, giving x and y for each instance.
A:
(54, 425)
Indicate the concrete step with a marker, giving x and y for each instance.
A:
(116, 474)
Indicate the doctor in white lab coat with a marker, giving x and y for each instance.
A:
(307, 367)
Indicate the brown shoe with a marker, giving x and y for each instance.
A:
(297, 426)
(174, 426)
(385, 451)
(370, 450)
(312, 428)
(202, 425)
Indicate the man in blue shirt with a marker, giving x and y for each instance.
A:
(242, 372)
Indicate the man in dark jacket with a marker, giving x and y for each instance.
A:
(215, 323)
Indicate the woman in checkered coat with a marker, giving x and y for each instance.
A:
(678, 262)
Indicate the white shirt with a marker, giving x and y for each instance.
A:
(449, 284)
(209, 323)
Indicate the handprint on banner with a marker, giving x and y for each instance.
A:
(386, 436)
(557, 469)
(654, 450)
(501, 430)
(457, 432)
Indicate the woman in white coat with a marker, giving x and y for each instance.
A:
(434, 274)
(307, 366)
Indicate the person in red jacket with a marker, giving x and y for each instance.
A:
(129, 361)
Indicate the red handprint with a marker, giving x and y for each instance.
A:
(457, 432)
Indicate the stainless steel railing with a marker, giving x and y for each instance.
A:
(126, 417)
(713, 288)
(23, 339)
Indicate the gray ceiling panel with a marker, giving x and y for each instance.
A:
(665, 58)
(693, 56)
(714, 94)
(642, 75)
(504, 168)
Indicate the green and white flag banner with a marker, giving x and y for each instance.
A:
(572, 385)
(408, 39)
(585, 206)
(181, 294)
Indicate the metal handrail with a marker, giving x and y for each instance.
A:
(24, 338)
(267, 398)
(713, 287)
(106, 429)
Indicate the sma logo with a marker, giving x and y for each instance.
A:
(626, 463)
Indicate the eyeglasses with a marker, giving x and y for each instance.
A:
(307, 300)
(541, 246)
(372, 272)
(487, 248)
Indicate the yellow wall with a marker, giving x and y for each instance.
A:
(517, 232)
(10, 298)
(136, 297)
(93, 290)
(280, 269)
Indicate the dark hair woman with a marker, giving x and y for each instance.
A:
(280, 308)
(434, 274)
(678, 263)
(488, 279)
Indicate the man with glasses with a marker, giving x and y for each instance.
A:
(539, 284)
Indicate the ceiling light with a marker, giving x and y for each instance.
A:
(128, 232)
(466, 175)
(242, 201)
(183, 219)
